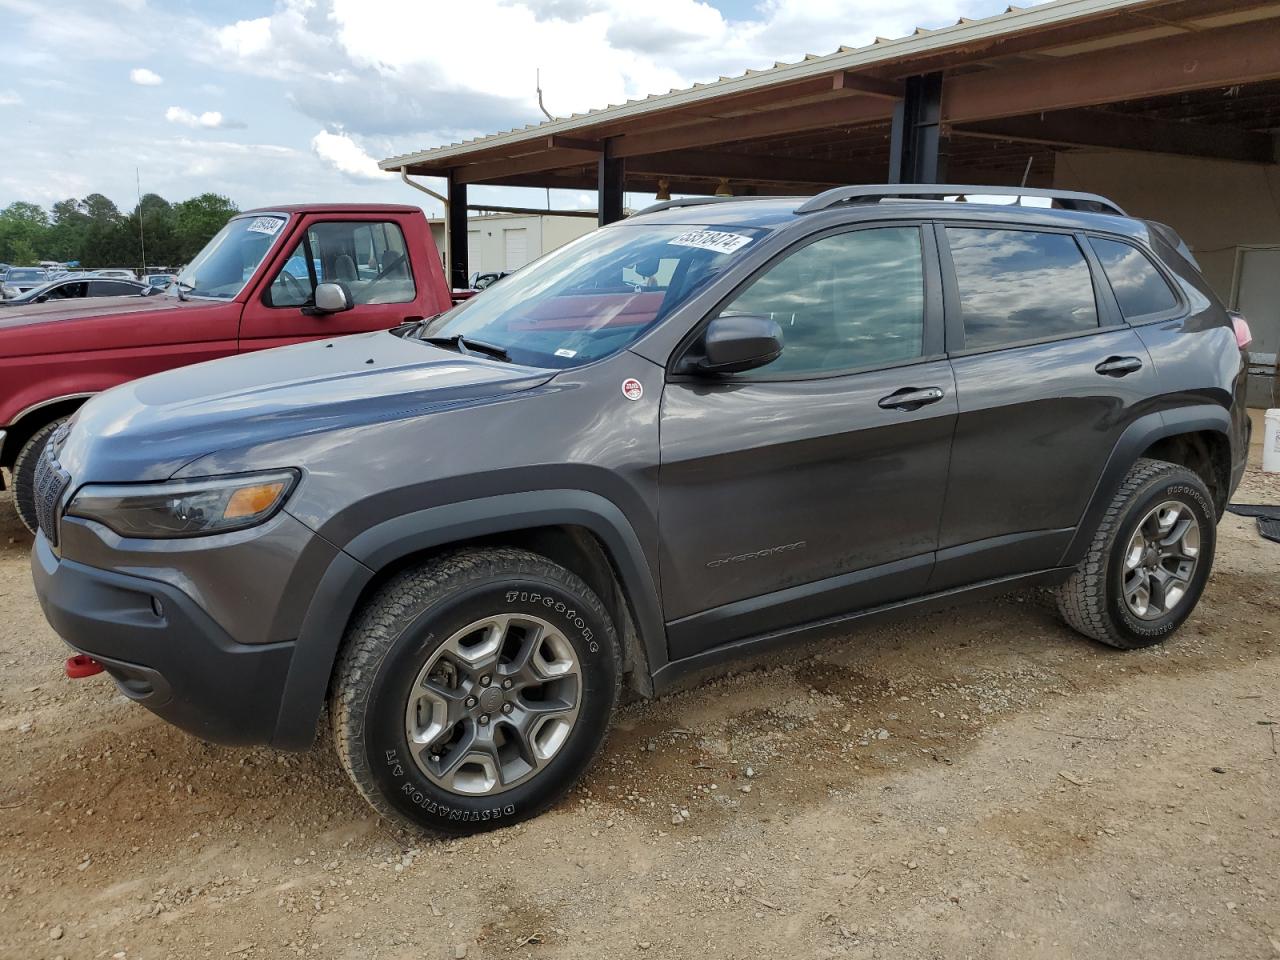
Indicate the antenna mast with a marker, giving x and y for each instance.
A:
(541, 106)
(142, 233)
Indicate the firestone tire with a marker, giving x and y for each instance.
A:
(24, 473)
(413, 623)
(1094, 600)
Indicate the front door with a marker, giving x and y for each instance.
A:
(812, 486)
(368, 256)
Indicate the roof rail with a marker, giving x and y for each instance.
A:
(692, 202)
(1065, 199)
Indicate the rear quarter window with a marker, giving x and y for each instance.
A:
(1139, 287)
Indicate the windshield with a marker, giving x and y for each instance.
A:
(23, 276)
(230, 259)
(594, 296)
(36, 293)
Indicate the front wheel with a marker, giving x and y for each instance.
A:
(473, 691)
(24, 473)
(1149, 559)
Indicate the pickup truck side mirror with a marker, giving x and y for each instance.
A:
(739, 342)
(331, 298)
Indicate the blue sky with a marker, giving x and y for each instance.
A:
(273, 101)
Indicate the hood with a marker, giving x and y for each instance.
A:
(56, 325)
(149, 428)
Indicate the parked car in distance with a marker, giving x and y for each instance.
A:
(71, 287)
(691, 436)
(116, 273)
(18, 280)
(160, 280)
(241, 293)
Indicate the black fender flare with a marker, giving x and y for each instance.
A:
(1136, 438)
(384, 544)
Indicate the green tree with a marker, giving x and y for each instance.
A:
(107, 242)
(23, 227)
(154, 219)
(67, 234)
(197, 220)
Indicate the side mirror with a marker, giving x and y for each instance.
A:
(739, 342)
(332, 298)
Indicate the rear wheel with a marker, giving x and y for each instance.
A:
(1149, 559)
(24, 473)
(473, 691)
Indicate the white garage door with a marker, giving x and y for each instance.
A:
(1257, 296)
(516, 244)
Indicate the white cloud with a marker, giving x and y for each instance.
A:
(346, 156)
(209, 119)
(388, 68)
(145, 78)
(9, 98)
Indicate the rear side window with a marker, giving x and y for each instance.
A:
(1139, 288)
(1019, 285)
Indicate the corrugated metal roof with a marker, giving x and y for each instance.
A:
(881, 51)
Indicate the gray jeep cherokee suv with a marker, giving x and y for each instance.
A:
(707, 431)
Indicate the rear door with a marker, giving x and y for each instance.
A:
(367, 255)
(812, 486)
(1048, 376)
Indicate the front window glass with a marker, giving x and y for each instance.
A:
(231, 258)
(1020, 285)
(592, 297)
(370, 258)
(849, 300)
(24, 276)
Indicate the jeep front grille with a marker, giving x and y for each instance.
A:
(51, 483)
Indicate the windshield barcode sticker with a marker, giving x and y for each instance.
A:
(713, 240)
(268, 225)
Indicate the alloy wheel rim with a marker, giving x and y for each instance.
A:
(493, 704)
(1161, 560)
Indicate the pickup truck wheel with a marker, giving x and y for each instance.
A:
(24, 473)
(1149, 559)
(473, 691)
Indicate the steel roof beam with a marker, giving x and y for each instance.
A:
(1220, 57)
(1125, 131)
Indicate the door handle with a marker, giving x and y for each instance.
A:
(909, 398)
(1118, 366)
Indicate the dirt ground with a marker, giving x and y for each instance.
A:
(980, 783)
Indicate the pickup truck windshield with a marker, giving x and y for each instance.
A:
(230, 259)
(592, 297)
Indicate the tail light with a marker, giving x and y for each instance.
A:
(1244, 336)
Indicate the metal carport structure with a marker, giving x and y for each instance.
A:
(1000, 100)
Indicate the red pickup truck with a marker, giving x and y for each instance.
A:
(270, 277)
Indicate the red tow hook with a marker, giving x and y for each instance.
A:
(81, 666)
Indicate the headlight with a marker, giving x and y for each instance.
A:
(9, 291)
(184, 508)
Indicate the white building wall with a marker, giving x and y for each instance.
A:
(488, 242)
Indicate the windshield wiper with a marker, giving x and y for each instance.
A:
(467, 345)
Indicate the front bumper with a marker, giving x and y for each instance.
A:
(163, 650)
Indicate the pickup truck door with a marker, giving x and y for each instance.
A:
(368, 254)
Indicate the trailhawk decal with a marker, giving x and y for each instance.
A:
(714, 240)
